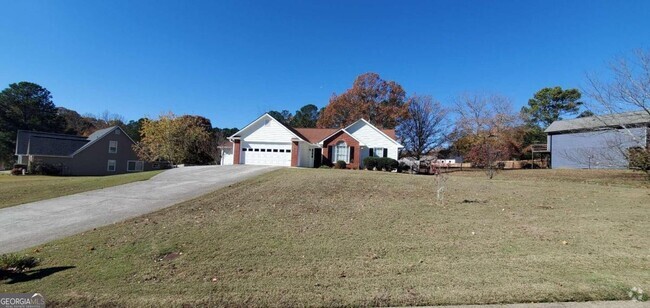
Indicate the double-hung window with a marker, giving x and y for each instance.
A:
(112, 146)
(134, 165)
(112, 166)
(341, 151)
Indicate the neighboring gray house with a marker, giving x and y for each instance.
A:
(104, 152)
(600, 142)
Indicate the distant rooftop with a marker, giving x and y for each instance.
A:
(51, 144)
(610, 120)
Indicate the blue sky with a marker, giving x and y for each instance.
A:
(231, 61)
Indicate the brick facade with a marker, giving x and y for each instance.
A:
(351, 143)
(294, 153)
(236, 151)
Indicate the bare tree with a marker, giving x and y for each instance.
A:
(485, 130)
(425, 128)
(628, 90)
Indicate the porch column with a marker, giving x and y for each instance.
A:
(236, 151)
(294, 153)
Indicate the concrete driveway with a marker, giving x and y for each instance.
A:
(39, 222)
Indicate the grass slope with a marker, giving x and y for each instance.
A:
(22, 189)
(298, 237)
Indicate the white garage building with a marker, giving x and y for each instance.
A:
(267, 141)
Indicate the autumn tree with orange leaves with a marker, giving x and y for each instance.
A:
(381, 102)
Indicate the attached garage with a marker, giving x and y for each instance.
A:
(272, 154)
(266, 141)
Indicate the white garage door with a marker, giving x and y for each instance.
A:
(273, 154)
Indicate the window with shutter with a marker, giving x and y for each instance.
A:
(341, 152)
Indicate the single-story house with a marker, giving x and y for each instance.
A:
(105, 152)
(597, 142)
(267, 141)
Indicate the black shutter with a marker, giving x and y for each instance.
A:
(351, 155)
(385, 152)
(329, 155)
(370, 152)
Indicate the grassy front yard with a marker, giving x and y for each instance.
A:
(22, 189)
(298, 237)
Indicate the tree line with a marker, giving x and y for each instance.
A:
(29, 106)
(481, 127)
(421, 122)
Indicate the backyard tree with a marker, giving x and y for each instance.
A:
(173, 138)
(28, 106)
(283, 116)
(487, 130)
(379, 101)
(306, 117)
(627, 90)
(425, 126)
(551, 104)
(75, 123)
(132, 128)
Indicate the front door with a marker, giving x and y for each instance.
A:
(318, 157)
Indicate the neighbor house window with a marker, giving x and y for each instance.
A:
(134, 165)
(378, 152)
(112, 147)
(341, 152)
(112, 165)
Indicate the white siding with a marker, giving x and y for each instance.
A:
(272, 131)
(271, 136)
(227, 157)
(371, 138)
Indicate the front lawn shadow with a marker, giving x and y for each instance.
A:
(30, 275)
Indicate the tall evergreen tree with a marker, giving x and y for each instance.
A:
(28, 106)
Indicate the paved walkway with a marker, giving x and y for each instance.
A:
(604, 304)
(39, 222)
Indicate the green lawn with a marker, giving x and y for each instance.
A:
(314, 237)
(22, 189)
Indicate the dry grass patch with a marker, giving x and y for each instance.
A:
(299, 237)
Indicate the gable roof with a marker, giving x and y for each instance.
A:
(315, 135)
(268, 116)
(389, 133)
(51, 144)
(610, 120)
(98, 135)
(47, 144)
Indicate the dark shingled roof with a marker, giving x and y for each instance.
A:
(608, 120)
(40, 143)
